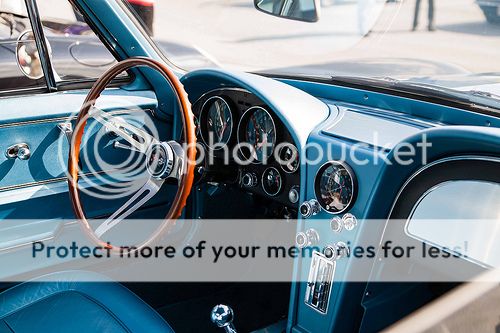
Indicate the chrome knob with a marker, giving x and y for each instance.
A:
(336, 224)
(309, 208)
(308, 238)
(330, 252)
(249, 179)
(350, 221)
(222, 316)
(342, 250)
(336, 251)
(293, 194)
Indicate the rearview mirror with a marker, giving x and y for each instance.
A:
(300, 10)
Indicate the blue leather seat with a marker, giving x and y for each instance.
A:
(62, 302)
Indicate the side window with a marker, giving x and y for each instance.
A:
(20, 67)
(77, 53)
(459, 211)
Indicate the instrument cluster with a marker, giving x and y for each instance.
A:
(242, 134)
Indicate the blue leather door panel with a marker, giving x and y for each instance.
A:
(34, 191)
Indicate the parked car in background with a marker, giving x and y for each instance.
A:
(145, 11)
(491, 9)
(76, 51)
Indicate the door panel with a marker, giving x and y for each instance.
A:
(34, 192)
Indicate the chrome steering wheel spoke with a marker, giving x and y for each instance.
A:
(164, 161)
(146, 192)
(138, 139)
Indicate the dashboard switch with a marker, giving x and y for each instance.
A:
(249, 179)
(336, 224)
(342, 250)
(293, 194)
(336, 251)
(308, 238)
(309, 208)
(330, 252)
(350, 221)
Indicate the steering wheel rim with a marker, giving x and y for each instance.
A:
(186, 178)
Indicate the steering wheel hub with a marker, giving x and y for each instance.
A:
(160, 160)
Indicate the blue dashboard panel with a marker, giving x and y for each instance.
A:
(342, 122)
(352, 127)
(397, 120)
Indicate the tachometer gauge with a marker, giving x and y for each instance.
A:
(216, 123)
(259, 133)
(271, 181)
(335, 187)
(289, 158)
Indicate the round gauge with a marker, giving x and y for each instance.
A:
(216, 123)
(289, 158)
(271, 181)
(335, 187)
(259, 134)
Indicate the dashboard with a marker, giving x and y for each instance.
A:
(352, 177)
(248, 145)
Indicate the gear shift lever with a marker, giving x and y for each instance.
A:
(222, 316)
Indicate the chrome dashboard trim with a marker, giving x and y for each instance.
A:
(434, 163)
(418, 172)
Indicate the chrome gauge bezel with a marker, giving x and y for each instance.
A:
(262, 182)
(202, 120)
(298, 155)
(353, 181)
(244, 121)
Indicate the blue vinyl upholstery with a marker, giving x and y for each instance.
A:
(64, 302)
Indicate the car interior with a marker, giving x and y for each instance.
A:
(56, 124)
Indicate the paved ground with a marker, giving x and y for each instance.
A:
(237, 35)
(234, 34)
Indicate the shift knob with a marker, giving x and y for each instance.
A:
(222, 316)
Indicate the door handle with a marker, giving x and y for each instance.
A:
(19, 150)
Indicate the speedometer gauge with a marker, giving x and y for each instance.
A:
(259, 134)
(335, 187)
(216, 122)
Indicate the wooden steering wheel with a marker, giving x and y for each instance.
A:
(163, 159)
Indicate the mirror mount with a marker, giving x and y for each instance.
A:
(299, 10)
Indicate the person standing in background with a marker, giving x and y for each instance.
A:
(430, 25)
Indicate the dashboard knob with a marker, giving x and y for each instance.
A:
(330, 252)
(293, 194)
(308, 238)
(309, 208)
(336, 224)
(342, 250)
(336, 251)
(350, 221)
(249, 179)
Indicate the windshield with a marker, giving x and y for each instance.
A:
(447, 43)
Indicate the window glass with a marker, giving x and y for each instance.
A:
(18, 50)
(463, 214)
(77, 53)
